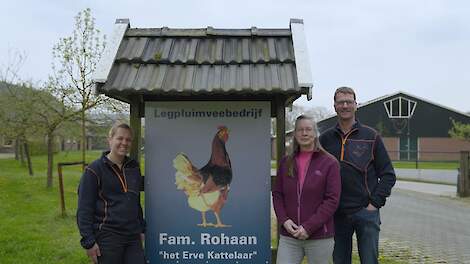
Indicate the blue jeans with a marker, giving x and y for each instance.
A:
(366, 224)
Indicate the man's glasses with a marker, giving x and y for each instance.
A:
(347, 102)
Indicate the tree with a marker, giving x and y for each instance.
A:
(17, 115)
(318, 113)
(17, 101)
(51, 114)
(75, 60)
(460, 130)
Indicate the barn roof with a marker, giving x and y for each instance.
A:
(383, 98)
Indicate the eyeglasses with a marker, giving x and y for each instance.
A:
(347, 102)
(307, 129)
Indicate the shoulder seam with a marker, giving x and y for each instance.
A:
(370, 128)
(96, 174)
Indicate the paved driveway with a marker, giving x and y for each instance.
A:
(424, 228)
(6, 155)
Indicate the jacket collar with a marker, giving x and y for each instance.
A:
(105, 159)
(356, 125)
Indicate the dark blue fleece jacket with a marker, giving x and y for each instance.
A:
(367, 174)
(109, 200)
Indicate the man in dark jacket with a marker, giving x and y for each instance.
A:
(367, 177)
(109, 214)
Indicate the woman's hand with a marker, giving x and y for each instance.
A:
(301, 233)
(290, 226)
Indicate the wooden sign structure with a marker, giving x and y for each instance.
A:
(144, 66)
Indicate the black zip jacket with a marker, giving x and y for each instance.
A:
(109, 200)
(367, 174)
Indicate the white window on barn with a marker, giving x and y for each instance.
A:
(400, 107)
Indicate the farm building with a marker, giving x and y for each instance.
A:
(412, 127)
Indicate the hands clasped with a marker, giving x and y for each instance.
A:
(295, 230)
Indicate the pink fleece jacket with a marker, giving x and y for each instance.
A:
(313, 205)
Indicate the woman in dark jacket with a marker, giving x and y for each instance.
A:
(306, 195)
(109, 213)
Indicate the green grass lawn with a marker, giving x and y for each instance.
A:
(31, 227)
(434, 165)
(32, 230)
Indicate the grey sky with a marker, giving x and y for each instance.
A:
(377, 47)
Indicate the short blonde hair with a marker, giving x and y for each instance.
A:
(116, 126)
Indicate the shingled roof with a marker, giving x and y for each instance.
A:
(189, 62)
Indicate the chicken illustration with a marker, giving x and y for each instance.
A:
(206, 188)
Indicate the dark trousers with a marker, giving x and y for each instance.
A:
(118, 249)
(366, 224)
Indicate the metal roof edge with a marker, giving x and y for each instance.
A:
(410, 95)
(376, 99)
(209, 31)
(304, 73)
(109, 55)
(433, 103)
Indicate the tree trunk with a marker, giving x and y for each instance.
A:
(83, 141)
(21, 149)
(17, 149)
(50, 159)
(28, 158)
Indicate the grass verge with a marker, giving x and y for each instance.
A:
(32, 229)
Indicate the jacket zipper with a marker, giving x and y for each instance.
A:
(298, 202)
(365, 181)
(123, 179)
(299, 190)
(343, 142)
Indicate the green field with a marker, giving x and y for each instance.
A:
(432, 165)
(32, 229)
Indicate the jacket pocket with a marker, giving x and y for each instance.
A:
(359, 153)
(133, 180)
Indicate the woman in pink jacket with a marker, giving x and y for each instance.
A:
(305, 196)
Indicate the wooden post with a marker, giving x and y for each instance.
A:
(135, 124)
(61, 190)
(463, 183)
(280, 149)
(280, 129)
(61, 181)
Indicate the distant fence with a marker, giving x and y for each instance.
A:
(428, 175)
(418, 157)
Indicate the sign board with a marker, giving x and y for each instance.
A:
(207, 184)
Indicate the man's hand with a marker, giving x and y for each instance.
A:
(142, 237)
(301, 233)
(94, 253)
(290, 226)
(370, 207)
